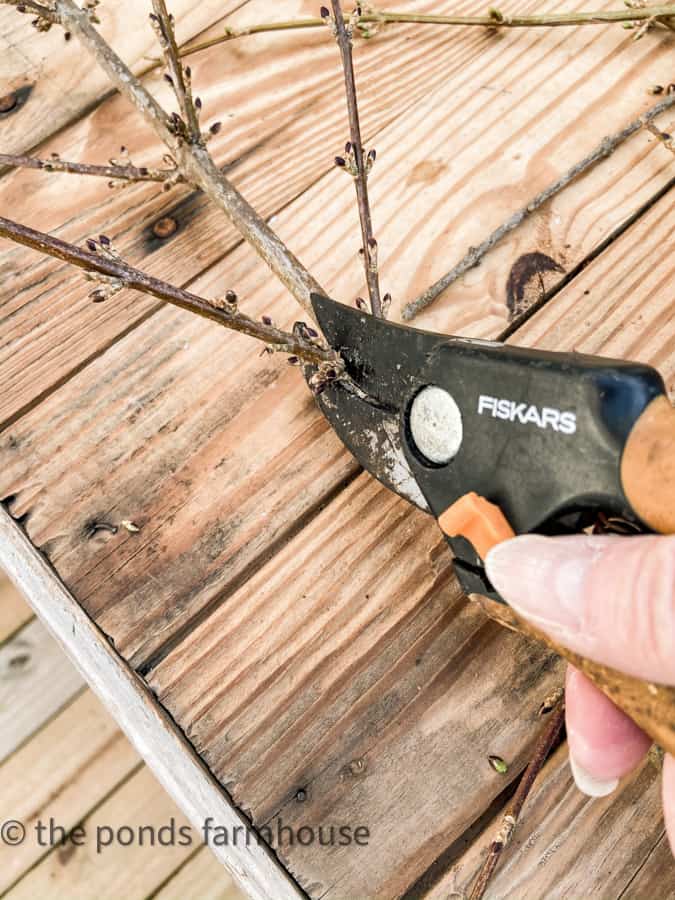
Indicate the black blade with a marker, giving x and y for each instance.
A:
(381, 357)
(383, 360)
(371, 433)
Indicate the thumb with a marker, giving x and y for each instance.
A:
(611, 599)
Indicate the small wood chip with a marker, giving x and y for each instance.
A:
(130, 526)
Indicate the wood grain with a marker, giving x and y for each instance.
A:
(375, 689)
(655, 877)
(150, 730)
(36, 681)
(57, 82)
(282, 127)
(14, 611)
(203, 877)
(64, 771)
(80, 872)
(364, 685)
(448, 172)
(616, 837)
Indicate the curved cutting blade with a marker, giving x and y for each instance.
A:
(383, 360)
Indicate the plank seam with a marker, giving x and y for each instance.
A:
(642, 865)
(50, 718)
(52, 849)
(613, 236)
(106, 94)
(146, 668)
(229, 168)
(149, 728)
(16, 632)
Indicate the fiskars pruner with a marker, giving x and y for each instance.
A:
(496, 440)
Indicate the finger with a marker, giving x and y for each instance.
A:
(604, 744)
(668, 794)
(611, 599)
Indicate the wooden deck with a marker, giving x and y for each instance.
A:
(64, 760)
(282, 638)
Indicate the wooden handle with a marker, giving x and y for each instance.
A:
(651, 706)
(648, 466)
(648, 480)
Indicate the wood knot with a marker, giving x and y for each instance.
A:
(12, 101)
(165, 227)
(8, 102)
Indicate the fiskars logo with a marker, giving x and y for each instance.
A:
(527, 414)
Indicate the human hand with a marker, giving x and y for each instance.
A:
(611, 599)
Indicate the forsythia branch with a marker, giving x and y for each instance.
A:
(179, 78)
(474, 255)
(193, 160)
(113, 171)
(370, 21)
(543, 746)
(113, 274)
(356, 162)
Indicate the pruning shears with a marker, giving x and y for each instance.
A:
(495, 440)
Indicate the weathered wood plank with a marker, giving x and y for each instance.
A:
(613, 835)
(75, 872)
(621, 305)
(36, 680)
(263, 707)
(64, 771)
(148, 727)
(282, 106)
(351, 670)
(255, 491)
(14, 611)
(203, 398)
(203, 877)
(194, 512)
(650, 880)
(285, 142)
(57, 82)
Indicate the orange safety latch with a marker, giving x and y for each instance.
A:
(479, 521)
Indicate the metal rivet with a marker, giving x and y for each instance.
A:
(8, 102)
(436, 424)
(165, 227)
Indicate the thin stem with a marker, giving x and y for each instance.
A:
(601, 17)
(179, 78)
(116, 269)
(344, 41)
(542, 748)
(475, 254)
(128, 173)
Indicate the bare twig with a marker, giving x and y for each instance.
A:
(129, 173)
(193, 160)
(355, 152)
(542, 748)
(601, 17)
(179, 78)
(44, 12)
(114, 274)
(475, 254)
